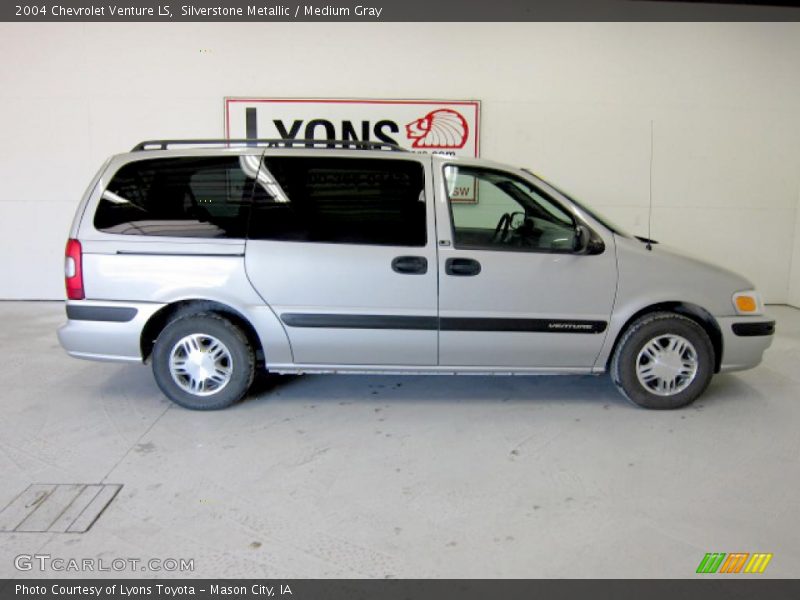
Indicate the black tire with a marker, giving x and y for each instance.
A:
(641, 332)
(240, 360)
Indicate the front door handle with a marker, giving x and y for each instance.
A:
(410, 265)
(462, 267)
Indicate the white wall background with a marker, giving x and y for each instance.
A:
(573, 101)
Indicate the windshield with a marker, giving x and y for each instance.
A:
(592, 213)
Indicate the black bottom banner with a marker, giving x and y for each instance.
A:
(400, 589)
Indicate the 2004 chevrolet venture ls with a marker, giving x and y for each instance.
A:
(213, 259)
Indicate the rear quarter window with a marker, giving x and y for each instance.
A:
(204, 197)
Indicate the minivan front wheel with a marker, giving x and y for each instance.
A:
(203, 362)
(664, 360)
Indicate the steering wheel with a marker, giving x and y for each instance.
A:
(501, 230)
(504, 228)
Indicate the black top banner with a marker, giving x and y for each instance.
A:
(397, 10)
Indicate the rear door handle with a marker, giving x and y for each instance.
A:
(410, 265)
(462, 267)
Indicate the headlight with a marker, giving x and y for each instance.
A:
(748, 303)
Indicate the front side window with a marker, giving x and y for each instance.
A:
(205, 197)
(509, 214)
(340, 200)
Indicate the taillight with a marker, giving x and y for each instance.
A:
(73, 270)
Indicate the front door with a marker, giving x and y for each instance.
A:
(343, 251)
(513, 293)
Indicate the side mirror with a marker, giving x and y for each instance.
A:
(580, 243)
(586, 241)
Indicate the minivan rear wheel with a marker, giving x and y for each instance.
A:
(664, 360)
(203, 362)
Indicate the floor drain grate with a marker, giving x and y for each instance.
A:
(57, 508)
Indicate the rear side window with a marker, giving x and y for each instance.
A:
(340, 200)
(204, 197)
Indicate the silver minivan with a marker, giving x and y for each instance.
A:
(214, 259)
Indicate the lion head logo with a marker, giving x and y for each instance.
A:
(442, 128)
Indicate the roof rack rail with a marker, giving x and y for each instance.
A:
(270, 143)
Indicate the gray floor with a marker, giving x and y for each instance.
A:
(347, 476)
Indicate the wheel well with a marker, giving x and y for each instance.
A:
(176, 310)
(696, 313)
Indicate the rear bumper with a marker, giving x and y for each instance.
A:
(744, 340)
(103, 330)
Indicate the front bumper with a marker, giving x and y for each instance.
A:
(104, 330)
(744, 340)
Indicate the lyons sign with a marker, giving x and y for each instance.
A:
(449, 127)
